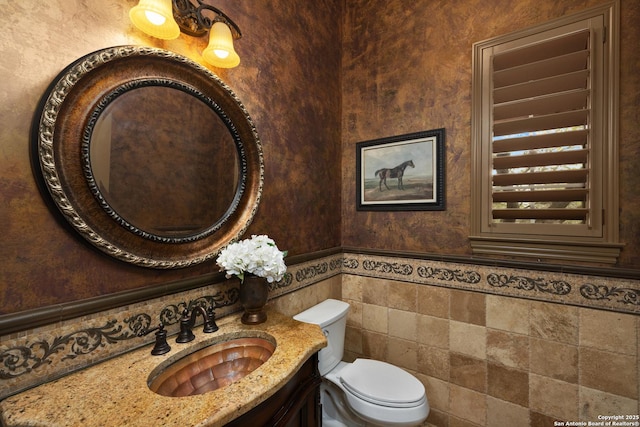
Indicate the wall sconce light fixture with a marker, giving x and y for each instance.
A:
(165, 19)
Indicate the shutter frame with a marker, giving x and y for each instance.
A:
(598, 239)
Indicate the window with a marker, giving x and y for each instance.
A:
(544, 148)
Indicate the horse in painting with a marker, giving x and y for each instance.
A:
(396, 172)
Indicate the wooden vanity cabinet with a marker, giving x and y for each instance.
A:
(297, 404)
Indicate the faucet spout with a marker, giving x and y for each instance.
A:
(209, 318)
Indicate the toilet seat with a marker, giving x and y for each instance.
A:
(382, 384)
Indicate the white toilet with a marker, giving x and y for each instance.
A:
(365, 392)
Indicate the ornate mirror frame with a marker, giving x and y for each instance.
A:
(61, 137)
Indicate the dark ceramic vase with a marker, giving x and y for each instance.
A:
(254, 292)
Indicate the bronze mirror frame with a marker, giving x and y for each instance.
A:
(61, 136)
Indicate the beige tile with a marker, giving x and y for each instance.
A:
(508, 384)
(437, 391)
(328, 288)
(351, 287)
(374, 345)
(433, 361)
(538, 419)
(459, 422)
(468, 405)
(433, 331)
(402, 296)
(354, 317)
(595, 402)
(553, 398)
(610, 372)
(508, 349)
(295, 302)
(554, 322)
(436, 418)
(468, 339)
(609, 331)
(375, 318)
(403, 324)
(508, 314)
(468, 372)
(374, 291)
(554, 359)
(289, 304)
(434, 301)
(501, 414)
(353, 340)
(468, 307)
(403, 353)
(351, 356)
(335, 288)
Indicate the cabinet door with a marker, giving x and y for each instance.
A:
(296, 404)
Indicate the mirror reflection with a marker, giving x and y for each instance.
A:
(164, 162)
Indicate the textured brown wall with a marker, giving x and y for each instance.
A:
(408, 68)
(288, 80)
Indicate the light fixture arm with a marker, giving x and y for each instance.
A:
(191, 20)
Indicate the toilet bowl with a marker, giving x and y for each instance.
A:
(365, 391)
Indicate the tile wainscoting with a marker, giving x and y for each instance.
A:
(467, 330)
(498, 346)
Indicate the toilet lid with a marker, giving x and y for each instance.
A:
(381, 383)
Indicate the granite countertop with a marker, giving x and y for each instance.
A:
(115, 392)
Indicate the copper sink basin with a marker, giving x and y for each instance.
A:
(212, 367)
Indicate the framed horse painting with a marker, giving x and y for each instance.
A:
(404, 172)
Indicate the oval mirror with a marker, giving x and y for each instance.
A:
(148, 156)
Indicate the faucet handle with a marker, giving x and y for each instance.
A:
(186, 324)
(161, 346)
(210, 321)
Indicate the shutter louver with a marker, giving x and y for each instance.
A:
(541, 151)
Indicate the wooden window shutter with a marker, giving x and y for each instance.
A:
(544, 140)
(541, 141)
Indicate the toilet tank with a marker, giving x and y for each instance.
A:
(331, 316)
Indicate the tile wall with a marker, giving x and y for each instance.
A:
(493, 360)
(494, 346)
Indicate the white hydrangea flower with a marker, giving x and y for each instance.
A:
(258, 255)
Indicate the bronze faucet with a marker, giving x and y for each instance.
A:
(188, 320)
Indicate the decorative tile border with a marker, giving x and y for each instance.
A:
(42, 354)
(615, 294)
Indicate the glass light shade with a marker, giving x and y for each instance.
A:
(155, 17)
(220, 51)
